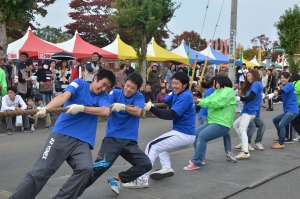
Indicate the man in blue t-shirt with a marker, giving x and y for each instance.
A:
(72, 137)
(183, 114)
(121, 137)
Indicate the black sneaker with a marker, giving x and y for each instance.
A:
(8, 132)
(269, 109)
(289, 141)
(27, 130)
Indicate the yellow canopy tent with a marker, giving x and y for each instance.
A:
(124, 51)
(249, 64)
(158, 53)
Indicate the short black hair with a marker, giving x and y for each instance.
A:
(24, 53)
(273, 65)
(183, 78)
(99, 56)
(243, 64)
(28, 63)
(136, 79)
(256, 67)
(295, 77)
(285, 67)
(224, 81)
(14, 89)
(38, 98)
(29, 98)
(122, 66)
(285, 75)
(104, 73)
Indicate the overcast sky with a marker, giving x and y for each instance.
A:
(255, 17)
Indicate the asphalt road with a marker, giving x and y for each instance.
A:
(19, 152)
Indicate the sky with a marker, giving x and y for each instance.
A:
(254, 17)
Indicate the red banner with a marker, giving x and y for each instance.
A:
(11, 55)
(44, 55)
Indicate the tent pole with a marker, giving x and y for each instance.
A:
(202, 73)
(193, 73)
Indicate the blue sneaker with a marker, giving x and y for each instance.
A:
(49, 127)
(8, 132)
(114, 185)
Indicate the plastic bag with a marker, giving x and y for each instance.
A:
(19, 120)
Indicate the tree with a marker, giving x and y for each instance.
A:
(94, 26)
(263, 42)
(143, 17)
(192, 38)
(54, 35)
(288, 31)
(250, 53)
(21, 11)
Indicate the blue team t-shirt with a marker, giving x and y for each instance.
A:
(121, 124)
(82, 126)
(252, 107)
(203, 111)
(183, 104)
(289, 98)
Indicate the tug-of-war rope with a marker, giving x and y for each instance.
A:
(51, 110)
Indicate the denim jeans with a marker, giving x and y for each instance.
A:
(280, 122)
(46, 98)
(260, 124)
(202, 120)
(206, 133)
(240, 125)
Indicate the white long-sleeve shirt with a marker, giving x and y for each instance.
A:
(8, 105)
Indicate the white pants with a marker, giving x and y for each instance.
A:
(240, 125)
(166, 143)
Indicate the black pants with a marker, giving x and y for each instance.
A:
(296, 123)
(58, 149)
(110, 149)
(289, 131)
(26, 95)
(270, 101)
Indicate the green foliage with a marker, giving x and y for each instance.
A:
(288, 30)
(143, 16)
(12, 9)
(54, 35)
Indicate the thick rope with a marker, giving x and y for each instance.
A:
(51, 110)
(31, 112)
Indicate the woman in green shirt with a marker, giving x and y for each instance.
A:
(221, 111)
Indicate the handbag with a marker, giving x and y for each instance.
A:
(58, 86)
(35, 91)
(46, 87)
(19, 121)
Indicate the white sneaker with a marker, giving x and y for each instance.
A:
(162, 173)
(297, 139)
(259, 146)
(136, 184)
(239, 146)
(242, 156)
(250, 148)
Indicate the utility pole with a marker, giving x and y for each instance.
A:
(232, 46)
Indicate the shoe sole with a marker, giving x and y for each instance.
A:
(288, 142)
(259, 148)
(114, 189)
(242, 158)
(158, 176)
(186, 169)
(136, 187)
(231, 160)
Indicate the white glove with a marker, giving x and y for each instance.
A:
(148, 106)
(75, 108)
(42, 112)
(238, 98)
(198, 100)
(117, 107)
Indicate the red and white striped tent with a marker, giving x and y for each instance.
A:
(34, 46)
(82, 49)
